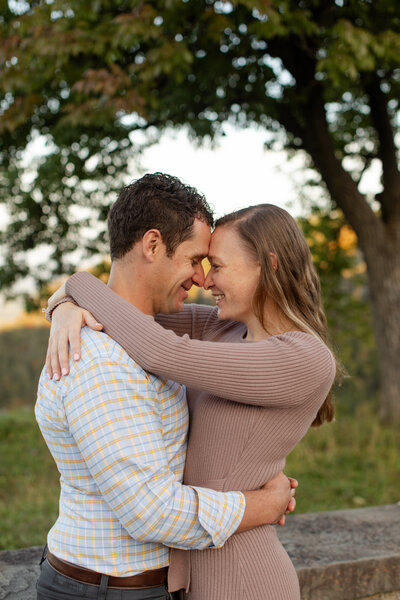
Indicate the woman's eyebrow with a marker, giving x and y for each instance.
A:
(212, 257)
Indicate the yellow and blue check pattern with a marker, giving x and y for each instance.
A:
(118, 437)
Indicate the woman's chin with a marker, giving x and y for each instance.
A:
(222, 313)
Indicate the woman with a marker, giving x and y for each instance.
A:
(260, 375)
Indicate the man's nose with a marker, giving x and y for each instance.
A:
(208, 282)
(198, 277)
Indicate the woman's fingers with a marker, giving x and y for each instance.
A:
(55, 363)
(73, 338)
(62, 350)
(74, 342)
(74, 332)
(48, 366)
(68, 319)
(91, 321)
(74, 328)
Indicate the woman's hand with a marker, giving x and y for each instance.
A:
(66, 324)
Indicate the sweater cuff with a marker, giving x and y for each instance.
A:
(48, 312)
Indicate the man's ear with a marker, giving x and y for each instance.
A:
(274, 261)
(152, 244)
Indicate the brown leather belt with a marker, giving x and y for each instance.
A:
(142, 580)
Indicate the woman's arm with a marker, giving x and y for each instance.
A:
(193, 321)
(281, 371)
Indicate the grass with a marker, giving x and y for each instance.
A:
(352, 462)
(28, 482)
(349, 463)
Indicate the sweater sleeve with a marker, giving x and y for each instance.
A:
(192, 321)
(282, 371)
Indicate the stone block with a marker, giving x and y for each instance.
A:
(345, 554)
(19, 570)
(339, 555)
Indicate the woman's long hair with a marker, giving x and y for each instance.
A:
(294, 286)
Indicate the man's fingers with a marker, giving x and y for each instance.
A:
(282, 521)
(291, 506)
(293, 482)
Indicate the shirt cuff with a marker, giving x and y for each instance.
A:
(220, 513)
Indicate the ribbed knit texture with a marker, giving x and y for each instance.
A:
(257, 401)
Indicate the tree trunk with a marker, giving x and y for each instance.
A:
(384, 283)
(379, 241)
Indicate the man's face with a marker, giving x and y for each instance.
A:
(177, 273)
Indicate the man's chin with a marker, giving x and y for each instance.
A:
(177, 307)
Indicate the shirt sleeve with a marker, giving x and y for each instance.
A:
(113, 416)
(281, 371)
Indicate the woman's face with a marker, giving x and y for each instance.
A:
(233, 276)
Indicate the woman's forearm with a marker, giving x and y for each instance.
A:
(281, 371)
(58, 295)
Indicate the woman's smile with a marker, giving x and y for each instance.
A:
(218, 297)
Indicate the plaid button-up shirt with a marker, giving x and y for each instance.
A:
(118, 437)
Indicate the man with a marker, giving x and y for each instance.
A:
(118, 434)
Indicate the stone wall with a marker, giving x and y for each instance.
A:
(346, 554)
(339, 555)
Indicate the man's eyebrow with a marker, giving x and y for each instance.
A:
(199, 256)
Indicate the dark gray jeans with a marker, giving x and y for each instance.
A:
(52, 585)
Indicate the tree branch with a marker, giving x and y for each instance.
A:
(387, 151)
(309, 122)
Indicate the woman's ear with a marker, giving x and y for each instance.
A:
(151, 244)
(274, 261)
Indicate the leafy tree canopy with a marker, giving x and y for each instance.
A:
(87, 77)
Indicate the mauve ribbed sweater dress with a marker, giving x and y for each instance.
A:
(250, 404)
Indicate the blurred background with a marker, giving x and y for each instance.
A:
(292, 103)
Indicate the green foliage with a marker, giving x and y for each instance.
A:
(22, 354)
(345, 294)
(350, 463)
(86, 77)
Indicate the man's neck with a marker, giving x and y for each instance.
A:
(132, 285)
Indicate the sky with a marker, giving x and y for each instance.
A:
(236, 173)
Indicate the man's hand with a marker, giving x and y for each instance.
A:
(273, 486)
(66, 324)
(269, 504)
